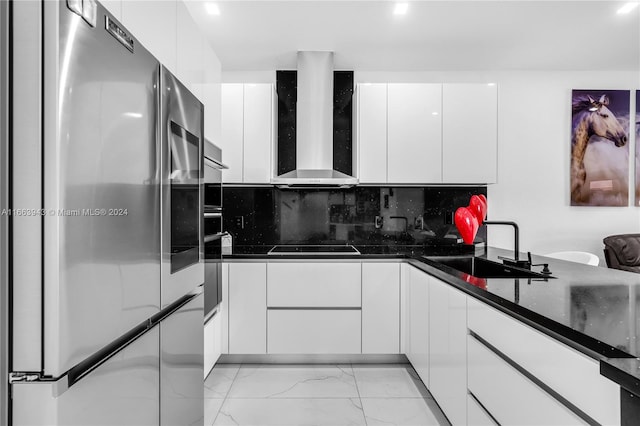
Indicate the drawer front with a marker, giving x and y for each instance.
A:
(560, 367)
(510, 397)
(302, 285)
(314, 332)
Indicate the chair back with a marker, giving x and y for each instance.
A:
(623, 252)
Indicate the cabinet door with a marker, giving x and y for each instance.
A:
(448, 350)
(232, 117)
(510, 397)
(419, 320)
(469, 133)
(114, 7)
(372, 133)
(380, 308)
(414, 133)
(153, 23)
(190, 49)
(303, 331)
(319, 285)
(247, 308)
(258, 128)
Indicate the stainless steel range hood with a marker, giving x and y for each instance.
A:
(314, 125)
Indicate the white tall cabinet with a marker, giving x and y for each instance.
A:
(414, 133)
(154, 23)
(470, 132)
(167, 30)
(248, 127)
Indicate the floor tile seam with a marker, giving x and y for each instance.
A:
(226, 394)
(355, 380)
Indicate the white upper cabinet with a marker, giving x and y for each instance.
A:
(470, 133)
(427, 133)
(232, 117)
(154, 24)
(258, 131)
(247, 132)
(372, 132)
(414, 133)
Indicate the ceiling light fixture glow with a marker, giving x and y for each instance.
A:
(401, 9)
(212, 8)
(628, 7)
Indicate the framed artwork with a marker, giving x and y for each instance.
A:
(599, 172)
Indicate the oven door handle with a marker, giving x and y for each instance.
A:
(210, 215)
(215, 164)
(214, 237)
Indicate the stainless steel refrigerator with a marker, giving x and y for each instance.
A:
(105, 255)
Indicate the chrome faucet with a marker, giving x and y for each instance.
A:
(516, 245)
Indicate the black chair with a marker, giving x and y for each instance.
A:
(623, 252)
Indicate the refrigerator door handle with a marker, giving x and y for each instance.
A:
(62, 383)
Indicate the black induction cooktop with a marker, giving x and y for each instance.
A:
(313, 249)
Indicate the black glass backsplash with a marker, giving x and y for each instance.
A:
(287, 91)
(343, 121)
(358, 215)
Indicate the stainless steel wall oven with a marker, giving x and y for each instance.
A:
(213, 232)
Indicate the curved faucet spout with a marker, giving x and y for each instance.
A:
(516, 244)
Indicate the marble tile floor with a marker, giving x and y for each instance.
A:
(319, 395)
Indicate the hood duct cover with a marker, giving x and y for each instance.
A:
(314, 125)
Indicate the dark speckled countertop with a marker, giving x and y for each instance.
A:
(592, 309)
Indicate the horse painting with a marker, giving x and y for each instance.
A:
(591, 118)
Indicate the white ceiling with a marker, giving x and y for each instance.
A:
(433, 35)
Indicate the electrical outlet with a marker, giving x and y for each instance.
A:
(239, 222)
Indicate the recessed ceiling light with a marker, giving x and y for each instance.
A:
(434, 113)
(212, 8)
(491, 84)
(628, 7)
(401, 9)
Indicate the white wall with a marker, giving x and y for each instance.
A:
(533, 155)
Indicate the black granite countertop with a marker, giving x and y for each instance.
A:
(592, 309)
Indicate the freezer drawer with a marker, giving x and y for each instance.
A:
(123, 391)
(182, 365)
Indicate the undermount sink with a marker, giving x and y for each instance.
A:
(483, 268)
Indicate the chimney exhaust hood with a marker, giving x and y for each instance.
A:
(314, 125)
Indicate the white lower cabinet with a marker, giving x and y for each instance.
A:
(380, 308)
(510, 397)
(563, 369)
(418, 335)
(314, 284)
(317, 331)
(212, 342)
(448, 349)
(247, 308)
